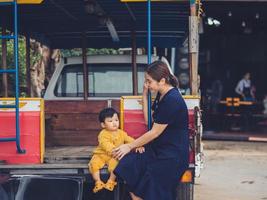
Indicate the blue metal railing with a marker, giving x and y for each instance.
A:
(7, 3)
(149, 120)
(16, 72)
(8, 37)
(7, 71)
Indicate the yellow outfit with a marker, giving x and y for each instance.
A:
(102, 155)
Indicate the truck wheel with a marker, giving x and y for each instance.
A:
(185, 191)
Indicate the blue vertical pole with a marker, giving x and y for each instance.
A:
(149, 58)
(17, 77)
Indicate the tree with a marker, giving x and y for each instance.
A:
(11, 64)
(41, 58)
(43, 62)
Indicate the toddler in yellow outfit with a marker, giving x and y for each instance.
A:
(108, 139)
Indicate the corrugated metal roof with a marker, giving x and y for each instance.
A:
(61, 22)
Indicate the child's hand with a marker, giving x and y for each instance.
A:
(140, 150)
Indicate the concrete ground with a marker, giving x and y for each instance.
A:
(233, 171)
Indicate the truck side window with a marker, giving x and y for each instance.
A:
(70, 82)
(105, 80)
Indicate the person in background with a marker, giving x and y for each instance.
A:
(244, 88)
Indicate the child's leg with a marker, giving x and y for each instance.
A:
(111, 183)
(112, 176)
(96, 176)
(112, 163)
(95, 164)
(135, 197)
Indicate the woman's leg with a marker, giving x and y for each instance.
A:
(135, 197)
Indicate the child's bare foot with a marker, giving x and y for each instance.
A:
(99, 185)
(110, 185)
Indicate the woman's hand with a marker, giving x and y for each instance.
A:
(119, 152)
(145, 88)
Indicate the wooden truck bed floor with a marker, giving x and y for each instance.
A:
(57, 160)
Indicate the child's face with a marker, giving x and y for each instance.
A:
(111, 123)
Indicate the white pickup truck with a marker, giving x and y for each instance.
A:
(109, 76)
(71, 129)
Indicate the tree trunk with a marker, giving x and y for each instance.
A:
(42, 69)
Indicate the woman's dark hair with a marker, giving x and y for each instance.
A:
(105, 113)
(158, 70)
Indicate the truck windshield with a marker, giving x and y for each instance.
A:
(105, 80)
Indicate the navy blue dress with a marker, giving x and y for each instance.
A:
(155, 174)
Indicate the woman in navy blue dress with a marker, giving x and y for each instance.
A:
(154, 175)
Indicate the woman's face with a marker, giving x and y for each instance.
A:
(153, 85)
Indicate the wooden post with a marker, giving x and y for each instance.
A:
(193, 49)
(85, 68)
(134, 65)
(28, 66)
(4, 63)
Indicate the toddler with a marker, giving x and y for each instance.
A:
(108, 139)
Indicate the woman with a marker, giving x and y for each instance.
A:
(155, 173)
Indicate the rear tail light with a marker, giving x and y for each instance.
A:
(187, 177)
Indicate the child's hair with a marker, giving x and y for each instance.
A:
(105, 113)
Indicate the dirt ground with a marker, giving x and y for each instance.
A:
(233, 171)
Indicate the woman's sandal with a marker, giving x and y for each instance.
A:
(99, 185)
(110, 185)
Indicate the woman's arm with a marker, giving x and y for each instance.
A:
(145, 102)
(156, 131)
(122, 150)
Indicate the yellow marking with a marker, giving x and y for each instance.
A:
(21, 105)
(185, 97)
(122, 113)
(191, 97)
(135, 1)
(131, 97)
(42, 131)
(235, 102)
(24, 1)
(21, 99)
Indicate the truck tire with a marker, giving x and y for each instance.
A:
(185, 191)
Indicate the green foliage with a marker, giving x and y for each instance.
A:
(90, 51)
(35, 57)
(11, 63)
